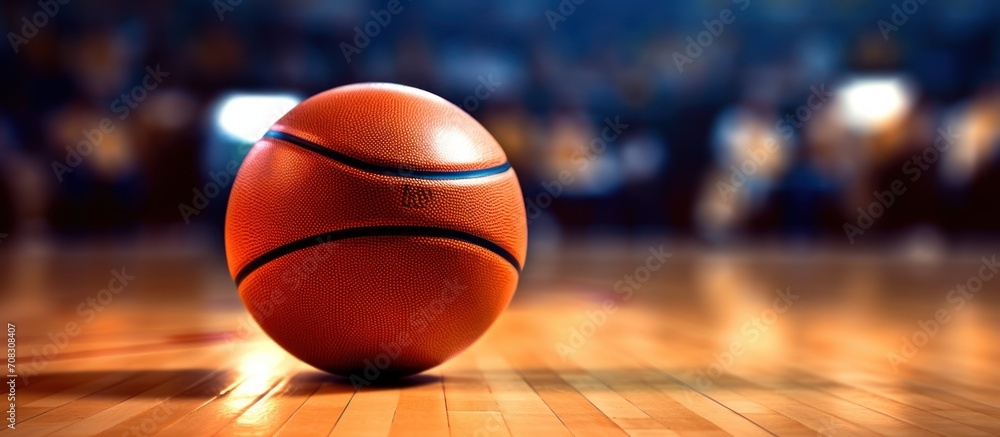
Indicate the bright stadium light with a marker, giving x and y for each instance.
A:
(247, 117)
(868, 103)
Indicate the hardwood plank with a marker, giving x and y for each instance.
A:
(272, 411)
(218, 412)
(647, 389)
(421, 410)
(155, 399)
(369, 413)
(465, 389)
(523, 410)
(916, 416)
(320, 412)
(74, 412)
(178, 406)
(477, 423)
(572, 408)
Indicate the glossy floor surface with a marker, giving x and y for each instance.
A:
(600, 340)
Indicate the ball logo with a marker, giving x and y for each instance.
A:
(416, 197)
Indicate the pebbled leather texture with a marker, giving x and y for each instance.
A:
(410, 303)
(295, 193)
(336, 304)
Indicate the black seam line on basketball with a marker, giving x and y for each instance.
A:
(381, 169)
(374, 231)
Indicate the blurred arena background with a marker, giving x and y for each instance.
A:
(845, 151)
(776, 120)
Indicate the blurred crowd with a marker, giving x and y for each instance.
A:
(789, 118)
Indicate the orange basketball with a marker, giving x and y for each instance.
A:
(376, 229)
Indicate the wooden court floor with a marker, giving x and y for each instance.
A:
(744, 342)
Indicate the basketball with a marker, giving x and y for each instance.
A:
(375, 229)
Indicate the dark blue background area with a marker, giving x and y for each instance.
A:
(605, 59)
